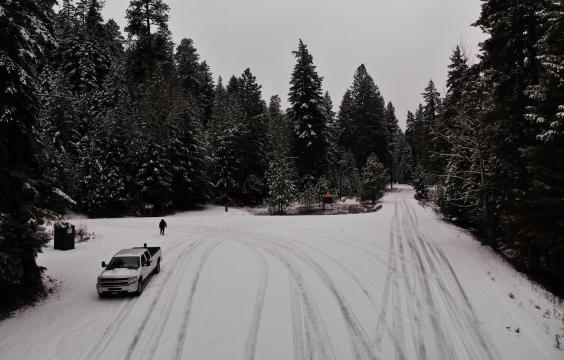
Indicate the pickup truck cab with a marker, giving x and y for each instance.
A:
(128, 270)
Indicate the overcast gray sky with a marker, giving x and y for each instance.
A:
(403, 43)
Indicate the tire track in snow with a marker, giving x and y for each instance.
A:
(117, 322)
(461, 312)
(414, 307)
(358, 335)
(298, 332)
(181, 338)
(148, 314)
(252, 337)
(306, 317)
(166, 309)
(390, 272)
(442, 338)
(362, 288)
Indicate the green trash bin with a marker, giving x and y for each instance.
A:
(63, 234)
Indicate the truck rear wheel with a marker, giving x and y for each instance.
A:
(158, 267)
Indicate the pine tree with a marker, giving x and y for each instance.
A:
(510, 64)
(393, 136)
(374, 179)
(280, 184)
(83, 55)
(252, 139)
(332, 128)
(308, 117)
(206, 93)
(151, 44)
(405, 163)
(433, 143)
(469, 187)
(25, 34)
(279, 131)
(153, 179)
(362, 120)
(455, 85)
(541, 244)
(420, 183)
(188, 67)
(345, 125)
(222, 134)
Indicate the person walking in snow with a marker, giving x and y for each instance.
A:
(162, 226)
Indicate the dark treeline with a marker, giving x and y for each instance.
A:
(111, 123)
(493, 146)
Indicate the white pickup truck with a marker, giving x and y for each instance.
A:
(128, 270)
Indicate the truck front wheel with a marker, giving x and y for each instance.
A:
(139, 287)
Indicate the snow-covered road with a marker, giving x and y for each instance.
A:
(396, 284)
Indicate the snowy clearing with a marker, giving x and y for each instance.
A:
(398, 283)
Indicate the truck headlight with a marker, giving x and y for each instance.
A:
(132, 280)
(99, 280)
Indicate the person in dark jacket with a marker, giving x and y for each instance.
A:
(162, 226)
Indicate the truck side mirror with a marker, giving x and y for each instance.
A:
(103, 264)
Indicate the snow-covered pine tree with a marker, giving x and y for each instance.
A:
(393, 135)
(510, 64)
(102, 181)
(188, 66)
(345, 124)
(196, 79)
(405, 162)
(455, 85)
(60, 138)
(374, 179)
(419, 182)
(151, 47)
(222, 134)
(362, 121)
(281, 172)
(416, 136)
(206, 93)
(544, 157)
(332, 130)
(187, 155)
(154, 179)
(83, 55)
(279, 131)
(433, 142)
(25, 34)
(469, 188)
(252, 141)
(281, 186)
(308, 117)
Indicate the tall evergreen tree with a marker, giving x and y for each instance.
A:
(150, 39)
(510, 63)
(252, 140)
(25, 33)
(308, 117)
(364, 127)
(433, 144)
(543, 248)
(393, 137)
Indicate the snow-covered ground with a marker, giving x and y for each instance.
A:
(398, 283)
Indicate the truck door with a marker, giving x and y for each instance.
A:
(146, 269)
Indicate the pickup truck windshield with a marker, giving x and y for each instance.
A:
(128, 262)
